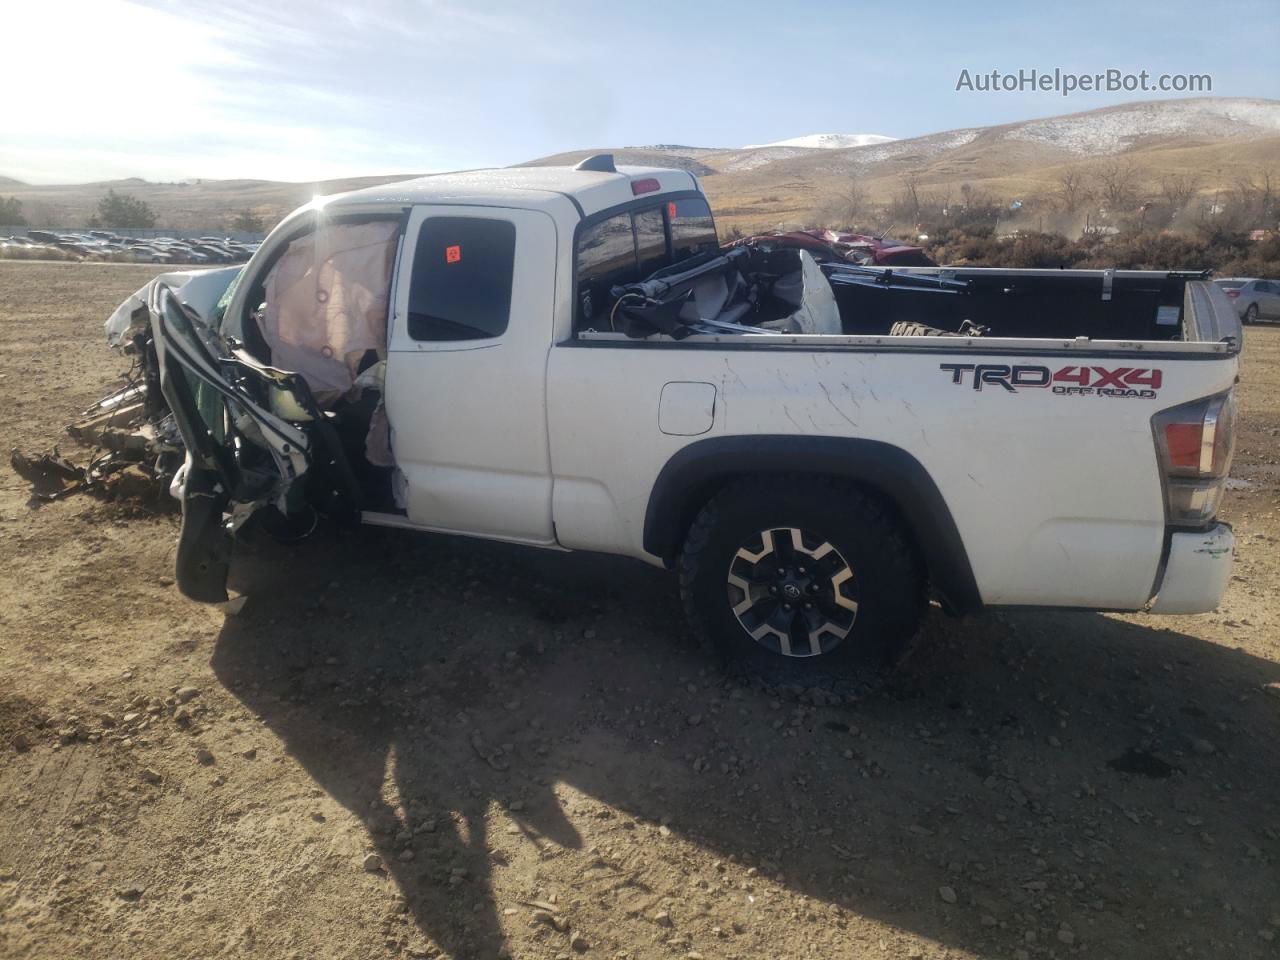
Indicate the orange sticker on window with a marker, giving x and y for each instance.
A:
(671, 210)
(452, 254)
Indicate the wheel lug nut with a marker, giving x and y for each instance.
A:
(802, 569)
(808, 605)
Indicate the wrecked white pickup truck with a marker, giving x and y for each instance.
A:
(566, 358)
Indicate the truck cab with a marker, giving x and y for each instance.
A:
(453, 289)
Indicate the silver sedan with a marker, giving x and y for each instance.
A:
(1253, 299)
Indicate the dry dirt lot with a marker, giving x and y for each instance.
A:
(411, 746)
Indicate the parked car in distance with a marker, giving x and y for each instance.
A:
(142, 254)
(103, 244)
(213, 255)
(1253, 299)
(72, 246)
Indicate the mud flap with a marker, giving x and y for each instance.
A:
(204, 546)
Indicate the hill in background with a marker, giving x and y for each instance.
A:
(1195, 152)
(1207, 145)
(197, 204)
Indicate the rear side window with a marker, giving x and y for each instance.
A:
(461, 283)
(693, 231)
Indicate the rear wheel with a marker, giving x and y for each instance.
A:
(1251, 313)
(797, 577)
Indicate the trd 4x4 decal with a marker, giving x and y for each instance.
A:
(1075, 381)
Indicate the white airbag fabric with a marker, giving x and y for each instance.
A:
(327, 303)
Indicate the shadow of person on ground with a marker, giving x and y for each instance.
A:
(1053, 772)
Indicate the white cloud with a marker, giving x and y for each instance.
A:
(177, 89)
(305, 89)
(135, 90)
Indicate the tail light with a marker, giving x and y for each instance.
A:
(1232, 293)
(1195, 442)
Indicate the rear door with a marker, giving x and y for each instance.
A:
(466, 370)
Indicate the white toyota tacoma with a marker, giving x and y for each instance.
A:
(566, 358)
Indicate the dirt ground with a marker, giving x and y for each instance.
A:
(411, 746)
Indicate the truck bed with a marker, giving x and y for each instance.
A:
(1100, 305)
(774, 294)
(1139, 320)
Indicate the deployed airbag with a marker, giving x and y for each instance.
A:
(326, 303)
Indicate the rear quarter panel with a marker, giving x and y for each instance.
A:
(1057, 496)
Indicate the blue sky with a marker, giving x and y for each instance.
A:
(100, 89)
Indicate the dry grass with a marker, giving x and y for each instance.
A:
(35, 253)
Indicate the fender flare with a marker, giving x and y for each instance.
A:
(695, 472)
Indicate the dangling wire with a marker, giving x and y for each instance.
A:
(616, 304)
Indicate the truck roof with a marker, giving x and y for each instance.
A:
(589, 190)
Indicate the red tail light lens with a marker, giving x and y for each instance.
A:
(1232, 293)
(1182, 441)
(1195, 442)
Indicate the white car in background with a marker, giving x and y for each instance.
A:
(1253, 299)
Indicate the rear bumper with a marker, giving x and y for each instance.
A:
(1198, 571)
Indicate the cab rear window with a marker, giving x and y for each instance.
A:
(693, 231)
(607, 252)
(631, 245)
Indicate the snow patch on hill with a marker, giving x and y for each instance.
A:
(752, 158)
(1114, 129)
(826, 141)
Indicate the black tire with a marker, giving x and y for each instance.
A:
(887, 582)
(1251, 313)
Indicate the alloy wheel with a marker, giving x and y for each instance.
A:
(793, 592)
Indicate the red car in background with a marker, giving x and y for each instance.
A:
(832, 245)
